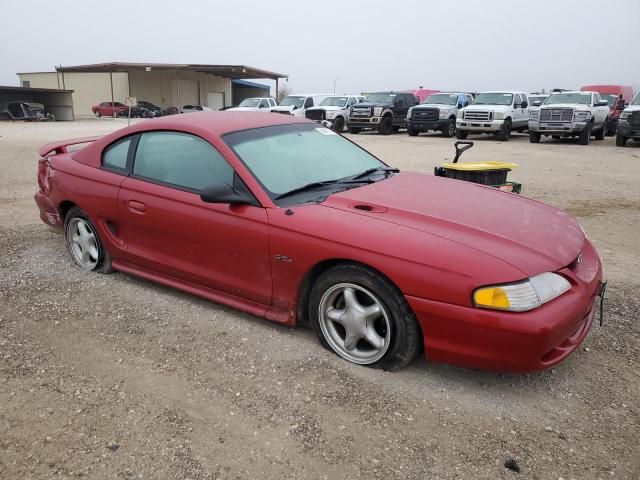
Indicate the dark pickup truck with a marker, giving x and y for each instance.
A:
(385, 112)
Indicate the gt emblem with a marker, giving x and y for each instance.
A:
(579, 259)
(283, 258)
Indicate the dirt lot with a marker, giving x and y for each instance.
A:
(112, 377)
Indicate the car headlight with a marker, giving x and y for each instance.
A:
(498, 116)
(534, 114)
(444, 113)
(377, 111)
(409, 112)
(582, 116)
(522, 296)
(331, 115)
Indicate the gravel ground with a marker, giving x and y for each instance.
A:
(113, 377)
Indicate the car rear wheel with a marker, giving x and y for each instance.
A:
(84, 244)
(338, 124)
(461, 134)
(386, 126)
(585, 135)
(534, 137)
(621, 140)
(363, 318)
(505, 131)
(450, 129)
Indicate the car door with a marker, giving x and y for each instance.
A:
(400, 109)
(518, 112)
(167, 228)
(600, 113)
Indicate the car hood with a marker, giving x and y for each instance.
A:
(578, 106)
(327, 108)
(484, 108)
(632, 108)
(282, 108)
(529, 235)
(436, 105)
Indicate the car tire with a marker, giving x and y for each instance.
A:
(505, 131)
(450, 129)
(585, 135)
(599, 135)
(355, 130)
(412, 131)
(388, 338)
(461, 134)
(84, 244)
(338, 125)
(621, 140)
(98, 114)
(534, 137)
(386, 125)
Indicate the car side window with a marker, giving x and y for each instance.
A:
(410, 99)
(308, 103)
(115, 155)
(400, 101)
(517, 100)
(181, 160)
(352, 101)
(263, 104)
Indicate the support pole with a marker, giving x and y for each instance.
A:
(276, 95)
(113, 111)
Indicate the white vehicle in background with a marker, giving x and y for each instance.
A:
(570, 114)
(536, 99)
(629, 123)
(196, 108)
(255, 104)
(297, 104)
(332, 111)
(497, 113)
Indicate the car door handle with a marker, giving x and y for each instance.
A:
(136, 207)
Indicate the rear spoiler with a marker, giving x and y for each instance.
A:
(61, 146)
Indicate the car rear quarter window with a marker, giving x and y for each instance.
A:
(180, 160)
(115, 155)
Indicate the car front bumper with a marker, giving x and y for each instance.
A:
(479, 126)
(363, 122)
(513, 341)
(428, 124)
(626, 130)
(556, 128)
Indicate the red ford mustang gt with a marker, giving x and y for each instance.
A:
(287, 220)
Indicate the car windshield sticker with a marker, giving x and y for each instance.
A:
(325, 131)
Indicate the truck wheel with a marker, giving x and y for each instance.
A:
(355, 130)
(338, 124)
(450, 129)
(534, 137)
(461, 134)
(386, 126)
(505, 131)
(599, 135)
(621, 141)
(411, 131)
(585, 135)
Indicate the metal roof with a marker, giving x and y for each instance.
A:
(34, 90)
(229, 71)
(246, 83)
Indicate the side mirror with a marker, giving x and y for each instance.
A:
(537, 103)
(223, 193)
(524, 105)
(460, 105)
(602, 103)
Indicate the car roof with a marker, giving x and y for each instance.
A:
(572, 91)
(217, 123)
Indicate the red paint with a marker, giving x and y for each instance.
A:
(436, 239)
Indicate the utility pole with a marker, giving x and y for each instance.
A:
(334, 84)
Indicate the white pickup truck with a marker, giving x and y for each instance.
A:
(629, 123)
(497, 113)
(333, 110)
(570, 114)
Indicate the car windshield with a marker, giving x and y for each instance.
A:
(636, 100)
(494, 99)
(610, 98)
(569, 98)
(249, 102)
(442, 99)
(536, 98)
(333, 102)
(295, 101)
(118, 104)
(381, 97)
(142, 103)
(287, 157)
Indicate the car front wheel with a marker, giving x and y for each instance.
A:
(84, 244)
(461, 134)
(585, 135)
(621, 140)
(386, 126)
(363, 318)
(450, 129)
(98, 114)
(505, 131)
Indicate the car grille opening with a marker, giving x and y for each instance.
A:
(556, 114)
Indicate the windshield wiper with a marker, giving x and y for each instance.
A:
(369, 171)
(314, 185)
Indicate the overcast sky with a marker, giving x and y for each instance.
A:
(372, 45)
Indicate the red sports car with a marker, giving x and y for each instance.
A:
(284, 219)
(109, 109)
